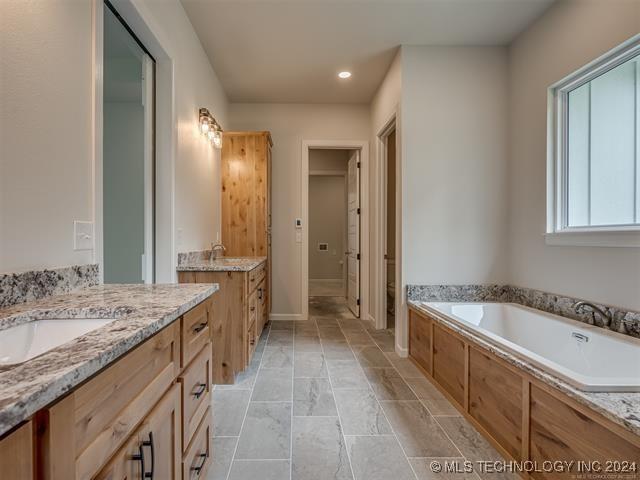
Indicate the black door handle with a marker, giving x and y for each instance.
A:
(200, 327)
(201, 388)
(140, 457)
(199, 468)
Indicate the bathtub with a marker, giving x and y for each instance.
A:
(589, 358)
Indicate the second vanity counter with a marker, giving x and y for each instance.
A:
(140, 311)
(222, 264)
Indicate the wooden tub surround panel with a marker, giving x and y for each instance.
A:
(523, 417)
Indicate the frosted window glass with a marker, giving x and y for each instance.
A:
(602, 159)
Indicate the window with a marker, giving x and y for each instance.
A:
(594, 165)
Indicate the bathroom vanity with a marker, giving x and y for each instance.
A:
(241, 306)
(130, 399)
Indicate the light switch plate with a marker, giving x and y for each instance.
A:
(82, 235)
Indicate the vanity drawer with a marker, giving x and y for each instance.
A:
(195, 384)
(256, 275)
(197, 458)
(252, 341)
(196, 325)
(253, 307)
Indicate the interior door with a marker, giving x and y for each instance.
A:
(353, 234)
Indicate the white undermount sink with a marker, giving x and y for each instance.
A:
(28, 340)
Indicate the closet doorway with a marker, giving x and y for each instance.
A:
(390, 228)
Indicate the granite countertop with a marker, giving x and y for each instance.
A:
(223, 264)
(622, 408)
(140, 311)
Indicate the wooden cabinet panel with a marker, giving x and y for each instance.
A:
(16, 454)
(154, 447)
(197, 459)
(195, 333)
(448, 363)
(195, 384)
(420, 340)
(495, 400)
(262, 307)
(560, 432)
(256, 275)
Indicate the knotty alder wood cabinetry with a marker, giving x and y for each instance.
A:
(246, 197)
(16, 453)
(524, 418)
(241, 314)
(145, 412)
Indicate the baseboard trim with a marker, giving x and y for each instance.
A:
(286, 316)
(402, 352)
(326, 280)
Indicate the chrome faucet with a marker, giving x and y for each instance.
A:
(215, 248)
(605, 315)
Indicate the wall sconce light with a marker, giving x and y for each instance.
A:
(210, 127)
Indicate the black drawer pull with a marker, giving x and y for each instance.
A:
(253, 309)
(199, 468)
(200, 327)
(260, 293)
(201, 389)
(140, 457)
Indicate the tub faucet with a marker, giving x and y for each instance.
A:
(605, 315)
(215, 249)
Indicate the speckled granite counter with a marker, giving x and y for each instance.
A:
(224, 264)
(621, 408)
(140, 311)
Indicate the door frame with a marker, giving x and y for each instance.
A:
(381, 318)
(363, 147)
(165, 137)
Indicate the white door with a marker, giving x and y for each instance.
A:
(353, 234)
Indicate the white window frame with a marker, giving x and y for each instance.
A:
(558, 232)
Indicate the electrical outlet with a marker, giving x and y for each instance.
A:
(82, 235)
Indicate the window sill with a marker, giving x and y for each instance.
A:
(608, 238)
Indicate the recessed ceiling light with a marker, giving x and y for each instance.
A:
(344, 74)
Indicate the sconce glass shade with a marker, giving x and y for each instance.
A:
(204, 126)
(217, 139)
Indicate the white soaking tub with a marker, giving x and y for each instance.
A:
(589, 358)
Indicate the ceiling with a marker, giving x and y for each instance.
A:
(290, 51)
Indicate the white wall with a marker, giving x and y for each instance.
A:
(289, 124)
(568, 36)
(46, 138)
(45, 132)
(454, 161)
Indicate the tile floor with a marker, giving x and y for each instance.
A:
(326, 288)
(329, 399)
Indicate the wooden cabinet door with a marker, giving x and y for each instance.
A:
(161, 432)
(153, 448)
(16, 454)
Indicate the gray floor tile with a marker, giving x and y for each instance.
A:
(358, 337)
(424, 468)
(326, 321)
(277, 357)
(337, 351)
(224, 448)
(244, 380)
(307, 344)
(280, 338)
(378, 458)
(266, 433)
(351, 325)
(282, 325)
(229, 407)
(313, 397)
(436, 402)
(384, 340)
(418, 432)
(346, 374)
(371, 357)
(273, 385)
(260, 469)
(388, 384)
(309, 364)
(405, 367)
(319, 451)
(360, 413)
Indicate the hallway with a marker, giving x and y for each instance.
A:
(329, 399)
